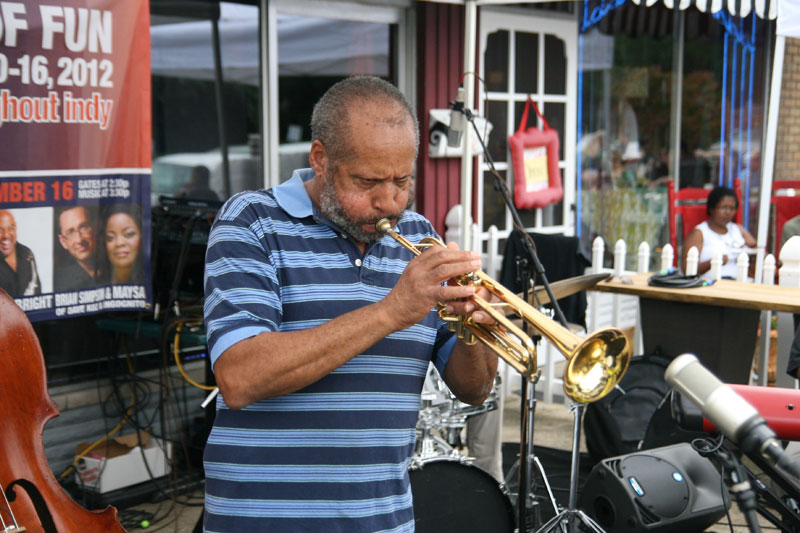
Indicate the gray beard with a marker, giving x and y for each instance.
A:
(331, 208)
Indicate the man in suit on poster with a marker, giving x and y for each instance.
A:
(18, 274)
(76, 235)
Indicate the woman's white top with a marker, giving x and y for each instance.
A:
(731, 244)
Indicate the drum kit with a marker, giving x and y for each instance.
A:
(451, 493)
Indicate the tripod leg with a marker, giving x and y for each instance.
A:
(546, 484)
(554, 522)
(565, 517)
(587, 521)
(512, 473)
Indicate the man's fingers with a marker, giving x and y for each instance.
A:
(446, 271)
(469, 307)
(481, 317)
(455, 292)
(438, 255)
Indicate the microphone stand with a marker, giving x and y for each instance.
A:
(528, 400)
(785, 505)
(537, 265)
(740, 487)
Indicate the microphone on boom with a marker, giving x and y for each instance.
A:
(456, 120)
(727, 410)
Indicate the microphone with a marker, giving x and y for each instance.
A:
(727, 410)
(456, 120)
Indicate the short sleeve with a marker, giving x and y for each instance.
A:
(241, 285)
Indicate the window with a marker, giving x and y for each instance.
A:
(629, 146)
(186, 118)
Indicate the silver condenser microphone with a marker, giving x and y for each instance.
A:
(727, 410)
(456, 120)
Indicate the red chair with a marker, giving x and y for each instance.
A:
(784, 208)
(690, 204)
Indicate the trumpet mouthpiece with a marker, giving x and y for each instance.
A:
(383, 225)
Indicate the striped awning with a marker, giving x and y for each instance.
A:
(738, 8)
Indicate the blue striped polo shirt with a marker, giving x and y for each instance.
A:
(334, 456)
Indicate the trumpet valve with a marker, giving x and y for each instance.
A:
(459, 328)
(468, 338)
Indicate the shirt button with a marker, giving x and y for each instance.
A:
(358, 262)
(344, 236)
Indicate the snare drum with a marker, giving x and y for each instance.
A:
(451, 496)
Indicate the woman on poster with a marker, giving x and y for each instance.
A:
(121, 259)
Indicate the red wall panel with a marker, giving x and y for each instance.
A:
(440, 63)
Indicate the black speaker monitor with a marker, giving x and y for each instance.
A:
(664, 489)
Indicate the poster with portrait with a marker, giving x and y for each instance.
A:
(75, 155)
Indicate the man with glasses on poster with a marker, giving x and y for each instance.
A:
(76, 235)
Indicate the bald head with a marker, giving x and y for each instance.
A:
(8, 233)
(366, 99)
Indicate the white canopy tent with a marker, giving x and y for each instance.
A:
(309, 46)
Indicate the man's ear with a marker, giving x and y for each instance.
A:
(318, 158)
(63, 241)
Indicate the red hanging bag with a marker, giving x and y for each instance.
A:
(534, 159)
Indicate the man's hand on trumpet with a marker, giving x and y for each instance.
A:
(423, 284)
(427, 282)
(467, 307)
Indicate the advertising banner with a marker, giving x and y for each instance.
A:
(75, 156)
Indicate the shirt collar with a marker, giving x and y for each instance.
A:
(292, 195)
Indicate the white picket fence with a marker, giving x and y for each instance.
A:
(622, 311)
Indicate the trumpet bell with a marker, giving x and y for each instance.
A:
(596, 365)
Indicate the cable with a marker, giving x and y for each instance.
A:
(677, 280)
(99, 441)
(176, 351)
(138, 415)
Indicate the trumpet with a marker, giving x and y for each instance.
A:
(595, 364)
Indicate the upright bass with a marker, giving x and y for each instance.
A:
(32, 500)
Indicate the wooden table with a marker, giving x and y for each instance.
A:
(718, 323)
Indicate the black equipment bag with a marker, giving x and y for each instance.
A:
(617, 423)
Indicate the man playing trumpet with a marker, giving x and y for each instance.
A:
(320, 330)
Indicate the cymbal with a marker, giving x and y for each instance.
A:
(566, 287)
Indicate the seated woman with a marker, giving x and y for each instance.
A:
(719, 232)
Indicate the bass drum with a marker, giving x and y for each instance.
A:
(451, 496)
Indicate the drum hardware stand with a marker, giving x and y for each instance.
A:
(565, 518)
(430, 445)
